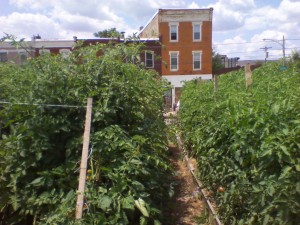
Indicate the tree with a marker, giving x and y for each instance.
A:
(216, 61)
(295, 56)
(108, 33)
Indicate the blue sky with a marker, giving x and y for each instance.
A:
(239, 26)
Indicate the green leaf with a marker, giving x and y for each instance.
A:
(138, 186)
(285, 172)
(140, 204)
(285, 151)
(38, 181)
(105, 202)
(128, 203)
(156, 222)
(266, 219)
(143, 221)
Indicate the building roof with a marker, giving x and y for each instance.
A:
(149, 21)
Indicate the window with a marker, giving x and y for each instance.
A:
(44, 51)
(174, 61)
(173, 32)
(197, 60)
(149, 59)
(23, 57)
(132, 59)
(197, 31)
(3, 56)
(65, 53)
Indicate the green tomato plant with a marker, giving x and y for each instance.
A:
(41, 127)
(246, 142)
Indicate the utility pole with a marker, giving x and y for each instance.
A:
(282, 43)
(266, 52)
(283, 49)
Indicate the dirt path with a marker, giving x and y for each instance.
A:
(185, 206)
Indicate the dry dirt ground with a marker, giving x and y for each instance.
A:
(185, 206)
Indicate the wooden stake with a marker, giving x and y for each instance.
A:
(84, 158)
(248, 75)
(215, 83)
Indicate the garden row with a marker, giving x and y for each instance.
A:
(246, 142)
(42, 113)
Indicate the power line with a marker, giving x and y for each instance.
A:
(239, 43)
(43, 105)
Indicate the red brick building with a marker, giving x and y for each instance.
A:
(186, 38)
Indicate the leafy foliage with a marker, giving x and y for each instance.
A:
(247, 142)
(108, 33)
(40, 144)
(216, 61)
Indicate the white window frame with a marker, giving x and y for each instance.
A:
(152, 59)
(177, 33)
(200, 60)
(177, 57)
(200, 31)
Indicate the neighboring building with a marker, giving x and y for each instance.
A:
(178, 45)
(229, 62)
(10, 53)
(33, 48)
(186, 39)
(52, 46)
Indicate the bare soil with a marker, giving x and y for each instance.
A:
(185, 206)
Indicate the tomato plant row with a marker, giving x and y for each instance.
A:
(246, 142)
(40, 144)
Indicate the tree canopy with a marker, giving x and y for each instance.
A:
(108, 33)
(216, 61)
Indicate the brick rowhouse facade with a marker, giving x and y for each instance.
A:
(186, 38)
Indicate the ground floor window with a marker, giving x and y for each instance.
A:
(149, 59)
(197, 55)
(3, 56)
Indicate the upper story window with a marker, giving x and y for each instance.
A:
(197, 31)
(173, 31)
(174, 58)
(3, 56)
(149, 59)
(197, 55)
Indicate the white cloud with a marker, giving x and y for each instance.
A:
(230, 14)
(28, 24)
(193, 5)
(225, 18)
(233, 20)
(239, 4)
(33, 4)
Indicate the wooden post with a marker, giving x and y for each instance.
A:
(84, 158)
(215, 83)
(248, 75)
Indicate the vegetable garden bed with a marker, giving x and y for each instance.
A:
(246, 142)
